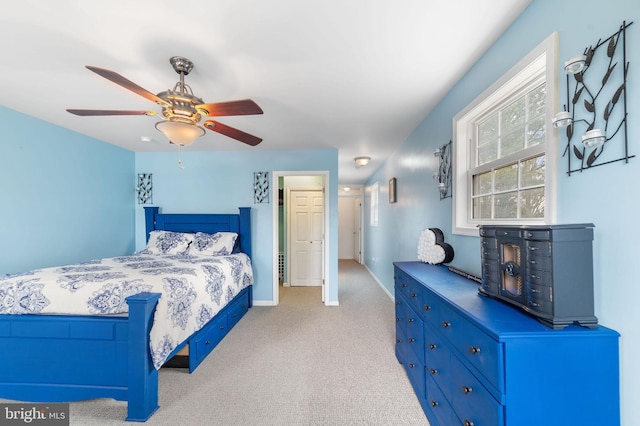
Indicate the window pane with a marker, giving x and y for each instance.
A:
(488, 130)
(532, 203)
(512, 143)
(487, 153)
(506, 205)
(513, 117)
(536, 102)
(482, 184)
(506, 178)
(532, 172)
(488, 140)
(535, 132)
(482, 207)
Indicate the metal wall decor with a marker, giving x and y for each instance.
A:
(260, 187)
(443, 175)
(144, 188)
(595, 114)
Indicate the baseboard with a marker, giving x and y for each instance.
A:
(263, 303)
(380, 284)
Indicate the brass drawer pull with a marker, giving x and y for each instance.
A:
(474, 350)
(467, 390)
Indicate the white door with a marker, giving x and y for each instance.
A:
(357, 233)
(306, 236)
(345, 228)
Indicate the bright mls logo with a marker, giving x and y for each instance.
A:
(34, 414)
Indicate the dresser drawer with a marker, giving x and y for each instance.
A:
(538, 248)
(415, 295)
(439, 404)
(414, 332)
(415, 370)
(539, 278)
(402, 283)
(471, 401)
(482, 351)
(437, 360)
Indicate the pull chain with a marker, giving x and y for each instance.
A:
(180, 157)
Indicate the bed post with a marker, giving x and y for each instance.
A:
(245, 230)
(142, 377)
(150, 219)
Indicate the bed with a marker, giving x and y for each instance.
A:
(73, 357)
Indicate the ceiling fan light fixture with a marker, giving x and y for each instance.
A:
(179, 132)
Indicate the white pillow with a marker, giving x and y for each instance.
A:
(218, 244)
(167, 242)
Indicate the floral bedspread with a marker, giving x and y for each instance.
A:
(194, 289)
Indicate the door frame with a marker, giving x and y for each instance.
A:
(275, 176)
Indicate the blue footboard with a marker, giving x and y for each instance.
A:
(55, 358)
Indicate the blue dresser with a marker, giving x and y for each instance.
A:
(476, 361)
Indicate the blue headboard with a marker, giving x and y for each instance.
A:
(197, 222)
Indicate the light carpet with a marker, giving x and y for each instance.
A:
(298, 363)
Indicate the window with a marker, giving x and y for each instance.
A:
(505, 148)
(374, 204)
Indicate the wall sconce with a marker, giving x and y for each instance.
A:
(593, 138)
(575, 64)
(144, 188)
(361, 161)
(443, 175)
(596, 103)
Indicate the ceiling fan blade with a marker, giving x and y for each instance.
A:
(220, 109)
(91, 112)
(127, 84)
(232, 132)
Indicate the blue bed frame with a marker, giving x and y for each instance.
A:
(57, 358)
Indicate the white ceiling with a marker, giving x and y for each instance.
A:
(355, 75)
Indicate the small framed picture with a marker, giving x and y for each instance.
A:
(392, 190)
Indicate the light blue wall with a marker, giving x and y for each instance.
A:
(608, 196)
(220, 182)
(64, 197)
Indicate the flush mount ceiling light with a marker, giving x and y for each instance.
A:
(181, 109)
(575, 64)
(361, 161)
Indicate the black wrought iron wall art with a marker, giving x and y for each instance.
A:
(144, 189)
(260, 187)
(443, 175)
(595, 115)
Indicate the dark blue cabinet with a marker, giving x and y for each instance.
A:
(474, 360)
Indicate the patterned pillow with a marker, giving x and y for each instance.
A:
(218, 244)
(167, 242)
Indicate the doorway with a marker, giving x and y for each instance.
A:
(300, 240)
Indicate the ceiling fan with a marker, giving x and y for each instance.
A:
(181, 108)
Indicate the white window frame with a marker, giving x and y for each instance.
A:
(375, 197)
(540, 62)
